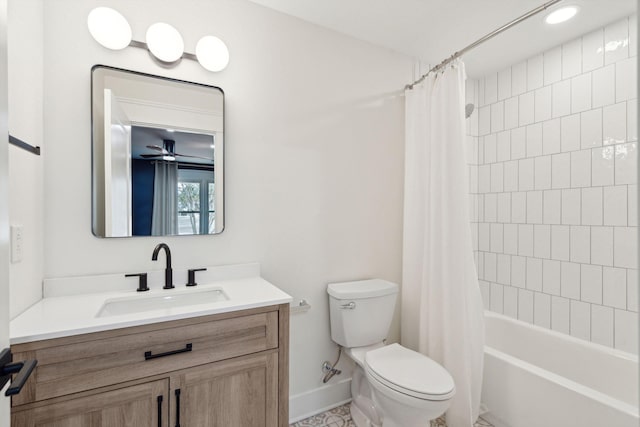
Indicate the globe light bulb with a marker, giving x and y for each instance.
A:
(212, 53)
(109, 28)
(165, 42)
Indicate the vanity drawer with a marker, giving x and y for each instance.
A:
(85, 362)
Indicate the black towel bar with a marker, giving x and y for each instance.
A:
(20, 143)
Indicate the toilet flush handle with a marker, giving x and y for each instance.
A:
(348, 306)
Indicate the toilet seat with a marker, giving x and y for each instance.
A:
(409, 373)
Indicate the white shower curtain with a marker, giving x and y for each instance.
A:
(442, 314)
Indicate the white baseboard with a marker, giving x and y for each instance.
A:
(312, 402)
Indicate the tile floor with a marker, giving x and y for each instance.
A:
(340, 417)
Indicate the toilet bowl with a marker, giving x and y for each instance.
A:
(392, 386)
(409, 387)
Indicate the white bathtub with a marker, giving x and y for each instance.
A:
(534, 377)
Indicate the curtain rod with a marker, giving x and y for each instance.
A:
(484, 39)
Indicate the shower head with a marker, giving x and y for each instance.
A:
(468, 110)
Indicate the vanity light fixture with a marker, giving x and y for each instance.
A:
(212, 53)
(111, 29)
(561, 15)
(165, 42)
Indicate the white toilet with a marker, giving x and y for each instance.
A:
(392, 386)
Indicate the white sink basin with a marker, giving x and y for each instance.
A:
(139, 304)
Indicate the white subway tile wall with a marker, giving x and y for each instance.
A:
(553, 187)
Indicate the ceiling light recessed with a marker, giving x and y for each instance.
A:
(165, 42)
(109, 28)
(561, 15)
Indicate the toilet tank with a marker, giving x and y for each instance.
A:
(361, 311)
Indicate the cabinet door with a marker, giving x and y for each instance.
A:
(143, 405)
(241, 392)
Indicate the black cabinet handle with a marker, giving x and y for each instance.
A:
(177, 407)
(186, 349)
(23, 369)
(160, 411)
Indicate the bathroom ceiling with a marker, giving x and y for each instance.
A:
(434, 29)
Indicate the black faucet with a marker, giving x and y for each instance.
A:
(168, 271)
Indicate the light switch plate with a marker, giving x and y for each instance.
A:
(16, 243)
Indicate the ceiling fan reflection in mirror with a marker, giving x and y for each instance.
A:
(167, 152)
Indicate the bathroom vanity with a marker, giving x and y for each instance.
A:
(223, 363)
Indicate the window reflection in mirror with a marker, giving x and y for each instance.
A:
(157, 155)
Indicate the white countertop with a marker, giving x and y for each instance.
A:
(73, 313)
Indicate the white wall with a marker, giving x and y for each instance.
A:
(556, 188)
(314, 154)
(26, 169)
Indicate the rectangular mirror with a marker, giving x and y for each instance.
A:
(158, 155)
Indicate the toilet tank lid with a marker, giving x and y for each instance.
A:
(362, 289)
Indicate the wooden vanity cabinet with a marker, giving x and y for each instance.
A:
(140, 405)
(222, 370)
(241, 392)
